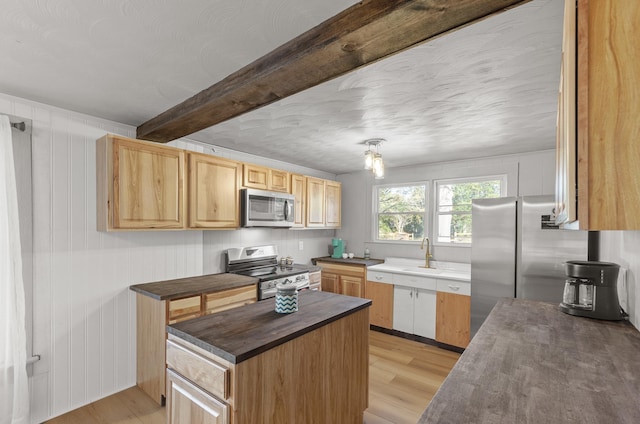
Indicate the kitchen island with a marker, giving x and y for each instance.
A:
(165, 302)
(531, 363)
(253, 365)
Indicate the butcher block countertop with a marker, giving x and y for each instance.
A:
(241, 333)
(530, 363)
(192, 286)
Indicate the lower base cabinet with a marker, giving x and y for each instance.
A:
(414, 311)
(187, 403)
(347, 279)
(381, 310)
(453, 317)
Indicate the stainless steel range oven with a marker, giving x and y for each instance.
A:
(261, 262)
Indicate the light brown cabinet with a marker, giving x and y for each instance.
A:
(140, 185)
(343, 279)
(214, 199)
(206, 388)
(333, 204)
(188, 403)
(324, 203)
(315, 202)
(299, 190)
(607, 127)
(381, 311)
(453, 317)
(152, 317)
(264, 178)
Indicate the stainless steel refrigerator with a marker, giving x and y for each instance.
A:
(517, 251)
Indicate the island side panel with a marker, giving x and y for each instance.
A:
(320, 377)
(150, 340)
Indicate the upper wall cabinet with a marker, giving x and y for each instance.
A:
(140, 185)
(263, 178)
(214, 184)
(323, 203)
(333, 204)
(607, 126)
(299, 190)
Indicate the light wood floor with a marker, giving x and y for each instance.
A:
(403, 377)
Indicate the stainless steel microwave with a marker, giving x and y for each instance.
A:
(261, 208)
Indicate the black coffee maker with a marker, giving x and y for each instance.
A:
(591, 290)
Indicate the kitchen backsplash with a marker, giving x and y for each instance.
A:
(301, 245)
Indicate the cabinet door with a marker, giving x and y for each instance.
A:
(299, 190)
(403, 309)
(144, 184)
(332, 204)
(453, 317)
(351, 286)
(424, 313)
(381, 311)
(214, 200)
(278, 180)
(187, 403)
(566, 129)
(315, 202)
(330, 282)
(254, 176)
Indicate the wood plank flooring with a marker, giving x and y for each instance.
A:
(403, 377)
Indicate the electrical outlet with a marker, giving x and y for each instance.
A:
(300, 245)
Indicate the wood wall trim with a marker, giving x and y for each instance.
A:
(357, 36)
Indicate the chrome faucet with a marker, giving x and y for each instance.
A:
(427, 254)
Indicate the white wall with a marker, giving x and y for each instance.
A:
(623, 248)
(84, 312)
(527, 174)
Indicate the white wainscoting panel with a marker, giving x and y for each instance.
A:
(84, 313)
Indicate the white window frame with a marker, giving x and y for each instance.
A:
(374, 224)
(436, 205)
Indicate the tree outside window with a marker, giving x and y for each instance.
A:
(453, 209)
(401, 212)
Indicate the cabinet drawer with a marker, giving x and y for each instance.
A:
(455, 287)
(181, 308)
(202, 371)
(229, 299)
(188, 403)
(380, 277)
(415, 281)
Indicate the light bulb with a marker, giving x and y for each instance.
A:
(368, 159)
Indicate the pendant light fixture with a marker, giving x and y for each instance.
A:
(373, 159)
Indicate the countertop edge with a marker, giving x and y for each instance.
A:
(205, 287)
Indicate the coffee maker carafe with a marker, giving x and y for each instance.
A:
(591, 290)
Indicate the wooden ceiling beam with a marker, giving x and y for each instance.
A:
(357, 36)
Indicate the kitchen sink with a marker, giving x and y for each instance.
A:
(422, 270)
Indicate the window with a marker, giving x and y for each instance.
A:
(400, 212)
(453, 205)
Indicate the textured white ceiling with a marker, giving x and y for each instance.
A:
(487, 89)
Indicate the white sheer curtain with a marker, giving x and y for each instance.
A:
(14, 389)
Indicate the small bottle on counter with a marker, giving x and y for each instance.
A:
(367, 254)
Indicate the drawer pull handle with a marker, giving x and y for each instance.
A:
(456, 288)
(378, 277)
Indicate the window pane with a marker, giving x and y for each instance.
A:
(454, 207)
(401, 199)
(454, 228)
(456, 197)
(400, 226)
